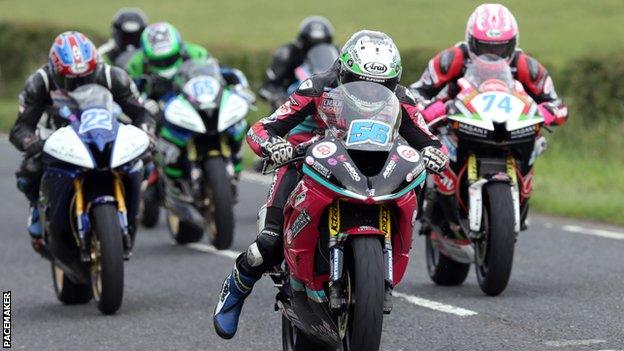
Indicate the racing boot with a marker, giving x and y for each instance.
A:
(236, 288)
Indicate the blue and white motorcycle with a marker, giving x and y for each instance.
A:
(89, 197)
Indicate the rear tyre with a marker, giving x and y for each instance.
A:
(494, 256)
(68, 292)
(367, 275)
(442, 269)
(151, 207)
(220, 206)
(183, 232)
(107, 273)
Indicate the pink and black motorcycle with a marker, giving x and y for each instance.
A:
(348, 223)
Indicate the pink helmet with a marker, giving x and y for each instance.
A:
(492, 29)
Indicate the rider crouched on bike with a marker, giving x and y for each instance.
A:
(280, 75)
(491, 29)
(266, 138)
(154, 68)
(73, 61)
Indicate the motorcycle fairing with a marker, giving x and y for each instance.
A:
(179, 112)
(65, 145)
(131, 142)
(232, 110)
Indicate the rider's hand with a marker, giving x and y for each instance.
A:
(547, 110)
(433, 111)
(435, 160)
(33, 146)
(278, 150)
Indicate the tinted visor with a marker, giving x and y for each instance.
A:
(347, 76)
(501, 49)
(165, 62)
(70, 84)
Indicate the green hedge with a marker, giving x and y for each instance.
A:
(593, 86)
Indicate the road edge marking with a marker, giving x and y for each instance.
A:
(213, 250)
(434, 305)
(610, 234)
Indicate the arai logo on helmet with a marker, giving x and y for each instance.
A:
(375, 67)
(493, 33)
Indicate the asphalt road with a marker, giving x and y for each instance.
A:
(566, 293)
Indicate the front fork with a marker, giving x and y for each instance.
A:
(337, 300)
(83, 224)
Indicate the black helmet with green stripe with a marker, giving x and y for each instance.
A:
(370, 56)
(162, 46)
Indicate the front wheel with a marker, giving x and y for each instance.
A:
(107, 273)
(442, 269)
(67, 291)
(366, 312)
(219, 203)
(494, 253)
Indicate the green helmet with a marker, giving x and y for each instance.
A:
(162, 46)
(370, 56)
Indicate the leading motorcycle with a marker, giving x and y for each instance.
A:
(473, 212)
(348, 223)
(89, 197)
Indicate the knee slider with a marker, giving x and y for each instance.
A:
(266, 248)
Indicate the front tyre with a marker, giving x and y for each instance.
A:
(366, 313)
(494, 254)
(219, 203)
(442, 269)
(107, 273)
(67, 291)
(151, 207)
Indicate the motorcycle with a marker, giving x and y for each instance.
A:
(198, 119)
(89, 197)
(475, 212)
(348, 223)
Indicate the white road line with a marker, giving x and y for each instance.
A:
(567, 343)
(213, 250)
(434, 305)
(596, 232)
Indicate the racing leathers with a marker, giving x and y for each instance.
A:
(438, 83)
(298, 120)
(35, 101)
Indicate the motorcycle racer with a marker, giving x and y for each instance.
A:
(491, 29)
(280, 74)
(154, 68)
(367, 56)
(73, 61)
(126, 29)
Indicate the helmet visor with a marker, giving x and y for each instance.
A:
(502, 49)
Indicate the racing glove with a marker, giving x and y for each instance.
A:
(33, 146)
(553, 113)
(278, 150)
(435, 160)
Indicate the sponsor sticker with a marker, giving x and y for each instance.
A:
(324, 150)
(352, 171)
(408, 153)
(321, 169)
(334, 218)
(389, 169)
(300, 222)
(332, 162)
(301, 196)
(376, 68)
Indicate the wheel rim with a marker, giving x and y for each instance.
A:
(210, 214)
(174, 224)
(481, 247)
(345, 320)
(59, 275)
(96, 267)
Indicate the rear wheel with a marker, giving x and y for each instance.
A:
(219, 204)
(494, 254)
(442, 269)
(107, 274)
(68, 292)
(367, 282)
(183, 232)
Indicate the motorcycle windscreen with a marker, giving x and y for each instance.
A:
(321, 57)
(363, 115)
